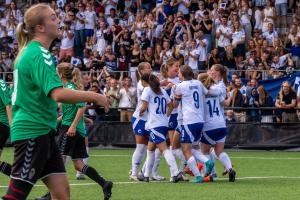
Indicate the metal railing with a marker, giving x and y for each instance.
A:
(116, 111)
(3, 75)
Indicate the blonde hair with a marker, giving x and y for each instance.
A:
(206, 80)
(70, 73)
(165, 66)
(25, 31)
(141, 66)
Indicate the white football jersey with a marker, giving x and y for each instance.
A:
(214, 117)
(157, 108)
(222, 88)
(192, 94)
(136, 113)
(175, 81)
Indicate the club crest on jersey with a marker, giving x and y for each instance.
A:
(31, 173)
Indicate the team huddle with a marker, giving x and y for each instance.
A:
(190, 112)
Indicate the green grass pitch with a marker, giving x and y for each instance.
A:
(260, 176)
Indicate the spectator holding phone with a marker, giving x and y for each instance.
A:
(67, 41)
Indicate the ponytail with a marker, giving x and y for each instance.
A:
(138, 75)
(77, 79)
(23, 37)
(206, 80)
(224, 75)
(153, 82)
(70, 73)
(164, 70)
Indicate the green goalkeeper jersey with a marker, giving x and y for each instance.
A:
(70, 111)
(4, 101)
(34, 111)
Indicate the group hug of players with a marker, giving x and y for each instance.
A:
(190, 112)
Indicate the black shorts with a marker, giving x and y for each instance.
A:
(239, 50)
(37, 158)
(4, 134)
(72, 146)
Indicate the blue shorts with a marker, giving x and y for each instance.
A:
(158, 134)
(178, 129)
(138, 127)
(281, 9)
(215, 136)
(191, 133)
(89, 32)
(173, 121)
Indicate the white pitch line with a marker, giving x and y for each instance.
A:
(236, 157)
(131, 182)
(83, 184)
(107, 155)
(265, 158)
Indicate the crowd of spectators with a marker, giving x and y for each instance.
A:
(107, 39)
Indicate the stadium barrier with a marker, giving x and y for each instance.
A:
(240, 135)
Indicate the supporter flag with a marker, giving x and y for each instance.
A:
(273, 85)
(296, 83)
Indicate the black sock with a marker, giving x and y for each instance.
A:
(17, 190)
(93, 174)
(5, 168)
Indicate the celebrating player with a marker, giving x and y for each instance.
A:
(190, 93)
(138, 124)
(157, 101)
(214, 129)
(169, 70)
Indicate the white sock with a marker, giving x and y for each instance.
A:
(66, 160)
(170, 147)
(213, 156)
(85, 161)
(179, 154)
(156, 162)
(193, 166)
(137, 157)
(171, 162)
(144, 167)
(199, 156)
(149, 162)
(225, 160)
